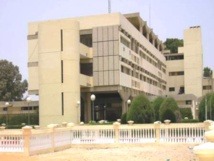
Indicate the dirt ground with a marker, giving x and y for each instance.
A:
(145, 152)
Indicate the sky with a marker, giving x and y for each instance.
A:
(168, 18)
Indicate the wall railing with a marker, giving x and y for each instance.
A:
(35, 141)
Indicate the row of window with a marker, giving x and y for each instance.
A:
(22, 108)
(140, 77)
(176, 73)
(136, 46)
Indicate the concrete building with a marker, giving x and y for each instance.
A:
(185, 81)
(113, 56)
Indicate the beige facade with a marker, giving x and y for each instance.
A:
(185, 68)
(113, 56)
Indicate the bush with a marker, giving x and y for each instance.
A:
(189, 121)
(169, 107)
(156, 107)
(168, 114)
(186, 112)
(140, 110)
(123, 118)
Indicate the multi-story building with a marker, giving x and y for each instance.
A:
(185, 68)
(113, 56)
(185, 80)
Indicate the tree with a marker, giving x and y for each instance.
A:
(173, 44)
(167, 107)
(207, 103)
(207, 72)
(140, 110)
(156, 106)
(11, 85)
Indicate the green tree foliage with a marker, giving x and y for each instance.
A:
(123, 118)
(207, 72)
(207, 102)
(168, 114)
(167, 107)
(186, 112)
(156, 106)
(140, 110)
(173, 44)
(11, 85)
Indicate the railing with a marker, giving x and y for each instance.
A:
(92, 134)
(187, 133)
(35, 141)
(11, 141)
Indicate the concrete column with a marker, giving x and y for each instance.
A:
(88, 107)
(157, 131)
(124, 96)
(116, 127)
(52, 128)
(26, 131)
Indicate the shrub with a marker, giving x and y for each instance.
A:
(169, 107)
(189, 121)
(123, 118)
(168, 114)
(186, 112)
(140, 110)
(156, 106)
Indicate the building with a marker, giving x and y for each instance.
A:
(185, 68)
(185, 81)
(113, 56)
(8, 110)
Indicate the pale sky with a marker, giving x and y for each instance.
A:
(168, 18)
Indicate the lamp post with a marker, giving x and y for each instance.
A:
(28, 102)
(78, 110)
(93, 97)
(7, 104)
(205, 108)
(128, 102)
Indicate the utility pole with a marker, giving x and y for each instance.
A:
(109, 6)
(205, 108)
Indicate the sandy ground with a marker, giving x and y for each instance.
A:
(145, 152)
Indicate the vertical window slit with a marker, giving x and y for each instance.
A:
(61, 35)
(62, 71)
(62, 103)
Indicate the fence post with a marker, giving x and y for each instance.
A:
(157, 131)
(207, 123)
(52, 128)
(116, 126)
(26, 131)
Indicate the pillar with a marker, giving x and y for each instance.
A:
(26, 131)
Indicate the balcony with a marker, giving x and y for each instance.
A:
(86, 81)
(85, 52)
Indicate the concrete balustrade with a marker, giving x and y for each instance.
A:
(55, 137)
(205, 152)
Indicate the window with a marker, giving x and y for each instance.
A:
(171, 89)
(86, 39)
(5, 109)
(176, 73)
(209, 87)
(188, 102)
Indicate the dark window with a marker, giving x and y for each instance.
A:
(188, 102)
(61, 35)
(176, 73)
(209, 87)
(62, 76)
(181, 90)
(86, 69)
(171, 89)
(4, 108)
(86, 39)
(62, 103)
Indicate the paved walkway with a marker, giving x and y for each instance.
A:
(146, 152)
